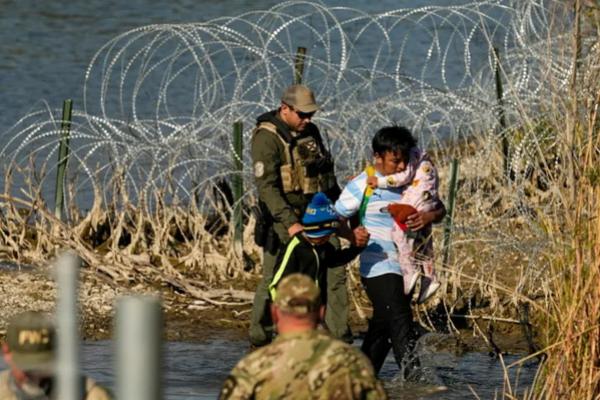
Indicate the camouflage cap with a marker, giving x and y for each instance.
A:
(301, 98)
(31, 339)
(298, 294)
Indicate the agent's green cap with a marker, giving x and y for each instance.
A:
(31, 340)
(298, 294)
(301, 98)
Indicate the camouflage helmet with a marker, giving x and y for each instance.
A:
(298, 294)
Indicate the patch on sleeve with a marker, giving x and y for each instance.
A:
(259, 169)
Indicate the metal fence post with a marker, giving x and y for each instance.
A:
(63, 156)
(139, 348)
(501, 115)
(450, 210)
(299, 65)
(238, 185)
(69, 377)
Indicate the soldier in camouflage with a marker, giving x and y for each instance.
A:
(302, 362)
(290, 165)
(29, 351)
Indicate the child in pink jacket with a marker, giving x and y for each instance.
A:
(415, 248)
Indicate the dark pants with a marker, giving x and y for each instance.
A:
(391, 324)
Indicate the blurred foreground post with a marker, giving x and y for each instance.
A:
(63, 156)
(450, 210)
(67, 276)
(238, 186)
(299, 65)
(139, 348)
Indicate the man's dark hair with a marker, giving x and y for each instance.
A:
(395, 139)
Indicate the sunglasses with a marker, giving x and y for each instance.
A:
(300, 114)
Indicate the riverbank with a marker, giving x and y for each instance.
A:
(191, 320)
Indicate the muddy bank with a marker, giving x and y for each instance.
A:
(188, 319)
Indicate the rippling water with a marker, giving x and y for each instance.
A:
(197, 370)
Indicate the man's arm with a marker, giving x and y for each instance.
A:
(340, 257)
(266, 159)
(358, 237)
(350, 198)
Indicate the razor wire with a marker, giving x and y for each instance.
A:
(160, 100)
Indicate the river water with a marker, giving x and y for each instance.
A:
(46, 46)
(197, 370)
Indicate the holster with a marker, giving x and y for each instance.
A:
(264, 234)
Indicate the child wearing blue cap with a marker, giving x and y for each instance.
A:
(309, 252)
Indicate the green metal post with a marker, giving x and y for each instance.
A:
(299, 65)
(450, 211)
(501, 116)
(238, 182)
(63, 156)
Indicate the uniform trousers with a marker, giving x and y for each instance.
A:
(391, 325)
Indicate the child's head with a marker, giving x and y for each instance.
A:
(391, 148)
(320, 220)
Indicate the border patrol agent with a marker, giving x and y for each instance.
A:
(29, 351)
(290, 165)
(302, 362)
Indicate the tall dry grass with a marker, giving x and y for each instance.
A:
(571, 334)
(568, 325)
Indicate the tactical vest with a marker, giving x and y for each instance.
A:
(305, 168)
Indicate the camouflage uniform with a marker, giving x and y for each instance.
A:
(309, 365)
(286, 194)
(303, 365)
(10, 391)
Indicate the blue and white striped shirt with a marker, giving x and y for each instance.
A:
(380, 257)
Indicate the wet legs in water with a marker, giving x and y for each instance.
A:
(391, 324)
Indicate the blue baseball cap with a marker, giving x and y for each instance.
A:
(320, 219)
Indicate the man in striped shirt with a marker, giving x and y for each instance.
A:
(391, 323)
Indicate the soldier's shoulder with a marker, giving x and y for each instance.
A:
(5, 392)
(341, 353)
(341, 363)
(95, 391)
(259, 358)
